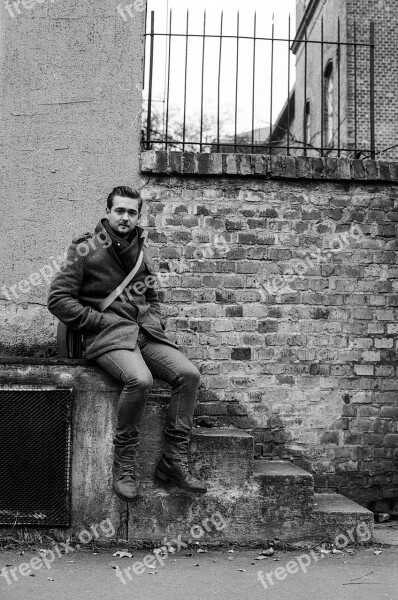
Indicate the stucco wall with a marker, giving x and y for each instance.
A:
(69, 96)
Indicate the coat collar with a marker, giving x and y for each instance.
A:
(129, 256)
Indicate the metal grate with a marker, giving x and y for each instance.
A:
(35, 439)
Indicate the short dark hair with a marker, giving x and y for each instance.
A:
(125, 192)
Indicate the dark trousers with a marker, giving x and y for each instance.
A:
(135, 368)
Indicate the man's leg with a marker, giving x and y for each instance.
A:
(170, 365)
(129, 367)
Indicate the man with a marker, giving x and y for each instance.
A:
(128, 339)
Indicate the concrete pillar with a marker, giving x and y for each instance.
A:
(70, 79)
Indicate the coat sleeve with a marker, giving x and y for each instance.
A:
(63, 296)
(153, 299)
(150, 293)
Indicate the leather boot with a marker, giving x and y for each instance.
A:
(177, 471)
(124, 475)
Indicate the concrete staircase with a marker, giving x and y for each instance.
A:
(258, 500)
(249, 502)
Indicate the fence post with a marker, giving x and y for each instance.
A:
(149, 115)
(372, 91)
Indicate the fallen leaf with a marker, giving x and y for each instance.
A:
(382, 517)
(201, 550)
(377, 552)
(268, 552)
(231, 550)
(123, 554)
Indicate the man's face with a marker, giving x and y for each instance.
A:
(123, 215)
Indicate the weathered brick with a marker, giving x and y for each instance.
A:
(391, 439)
(364, 369)
(384, 343)
(241, 353)
(268, 326)
(234, 311)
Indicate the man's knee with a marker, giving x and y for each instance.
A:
(142, 383)
(190, 375)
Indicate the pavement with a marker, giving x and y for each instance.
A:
(357, 573)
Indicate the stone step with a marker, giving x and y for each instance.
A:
(288, 488)
(218, 455)
(339, 517)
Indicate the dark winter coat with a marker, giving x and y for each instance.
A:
(92, 270)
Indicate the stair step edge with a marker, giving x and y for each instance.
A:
(280, 469)
(339, 504)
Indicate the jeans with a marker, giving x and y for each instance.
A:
(135, 369)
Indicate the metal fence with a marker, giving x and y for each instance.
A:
(280, 134)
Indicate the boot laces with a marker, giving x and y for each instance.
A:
(185, 466)
(128, 470)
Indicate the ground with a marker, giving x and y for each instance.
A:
(358, 573)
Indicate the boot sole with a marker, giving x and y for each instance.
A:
(178, 483)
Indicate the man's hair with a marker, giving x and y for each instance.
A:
(125, 192)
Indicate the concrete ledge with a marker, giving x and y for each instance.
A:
(160, 162)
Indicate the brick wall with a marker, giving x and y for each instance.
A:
(287, 309)
(384, 13)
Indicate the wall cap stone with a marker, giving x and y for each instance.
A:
(160, 162)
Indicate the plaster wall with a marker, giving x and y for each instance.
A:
(70, 79)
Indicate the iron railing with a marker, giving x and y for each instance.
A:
(286, 132)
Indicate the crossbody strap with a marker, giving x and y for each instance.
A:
(113, 295)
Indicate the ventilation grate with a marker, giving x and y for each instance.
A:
(35, 438)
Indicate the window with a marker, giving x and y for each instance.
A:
(329, 108)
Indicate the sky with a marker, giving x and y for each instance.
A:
(264, 10)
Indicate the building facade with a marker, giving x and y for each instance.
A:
(333, 104)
